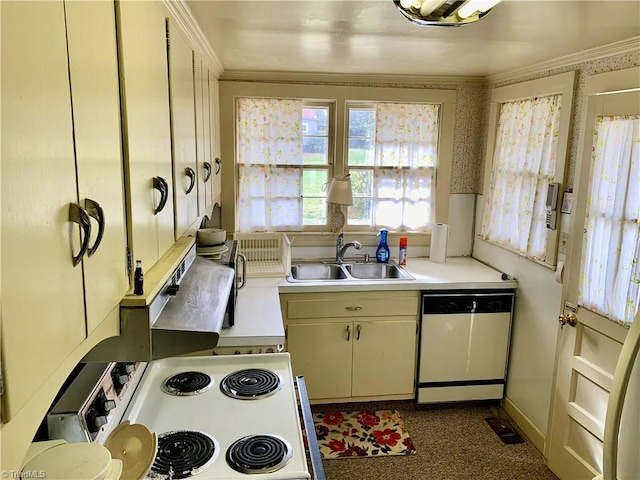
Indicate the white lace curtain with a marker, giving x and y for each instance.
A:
(269, 140)
(404, 171)
(610, 276)
(524, 163)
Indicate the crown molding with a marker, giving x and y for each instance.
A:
(617, 48)
(340, 78)
(181, 14)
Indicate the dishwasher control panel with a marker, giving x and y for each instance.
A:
(467, 303)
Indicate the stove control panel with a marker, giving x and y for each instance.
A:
(94, 401)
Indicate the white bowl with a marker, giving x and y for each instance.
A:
(211, 236)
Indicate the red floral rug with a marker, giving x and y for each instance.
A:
(362, 434)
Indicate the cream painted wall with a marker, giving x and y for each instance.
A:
(534, 333)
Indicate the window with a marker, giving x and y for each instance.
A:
(282, 167)
(529, 126)
(524, 165)
(285, 162)
(392, 156)
(610, 277)
(251, 194)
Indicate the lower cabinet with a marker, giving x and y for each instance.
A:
(347, 347)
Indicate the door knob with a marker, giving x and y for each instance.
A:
(568, 319)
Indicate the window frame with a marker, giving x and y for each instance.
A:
(339, 95)
(562, 84)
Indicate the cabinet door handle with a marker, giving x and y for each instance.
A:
(94, 210)
(354, 308)
(243, 259)
(358, 332)
(207, 170)
(348, 332)
(160, 184)
(218, 165)
(192, 179)
(78, 215)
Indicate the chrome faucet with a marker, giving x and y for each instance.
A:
(341, 247)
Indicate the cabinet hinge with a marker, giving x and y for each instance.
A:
(167, 31)
(129, 261)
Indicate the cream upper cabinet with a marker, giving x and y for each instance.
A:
(183, 130)
(353, 346)
(43, 251)
(146, 128)
(42, 304)
(214, 115)
(95, 93)
(203, 133)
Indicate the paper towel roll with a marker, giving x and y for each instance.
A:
(439, 238)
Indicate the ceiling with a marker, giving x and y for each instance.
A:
(372, 37)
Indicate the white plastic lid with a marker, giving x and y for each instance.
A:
(72, 461)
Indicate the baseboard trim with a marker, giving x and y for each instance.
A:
(528, 428)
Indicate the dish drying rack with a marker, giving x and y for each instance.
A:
(268, 254)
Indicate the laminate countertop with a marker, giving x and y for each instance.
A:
(259, 318)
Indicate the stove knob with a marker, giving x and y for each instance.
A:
(172, 290)
(95, 421)
(122, 379)
(108, 405)
(129, 367)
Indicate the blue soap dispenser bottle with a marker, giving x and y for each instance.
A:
(382, 252)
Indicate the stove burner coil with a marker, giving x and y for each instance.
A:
(259, 454)
(187, 383)
(251, 384)
(182, 454)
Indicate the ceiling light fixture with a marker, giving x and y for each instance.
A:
(449, 13)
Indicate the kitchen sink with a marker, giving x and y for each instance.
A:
(376, 271)
(327, 271)
(317, 271)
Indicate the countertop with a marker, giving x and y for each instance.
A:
(258, 315)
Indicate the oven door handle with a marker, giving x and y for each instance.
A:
(244, 270)
(310, 429)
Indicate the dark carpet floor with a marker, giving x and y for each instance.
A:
(453, 442)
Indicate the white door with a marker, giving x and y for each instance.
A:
(588, 351)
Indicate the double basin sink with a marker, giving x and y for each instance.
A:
(326, 271)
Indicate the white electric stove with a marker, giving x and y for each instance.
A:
(222, 417)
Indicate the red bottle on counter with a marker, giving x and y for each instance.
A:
(402, 254)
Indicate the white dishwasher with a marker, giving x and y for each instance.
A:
(464, 345)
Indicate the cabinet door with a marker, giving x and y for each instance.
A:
(183, 130)
(203, 133)
(384, 357)
(143, 64)
(95, 93)
(42, 301)
(214, 113)
(321, 352)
